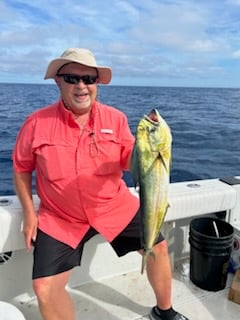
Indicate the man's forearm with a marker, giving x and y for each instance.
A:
(23, 186)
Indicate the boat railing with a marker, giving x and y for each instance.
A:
(187, 200)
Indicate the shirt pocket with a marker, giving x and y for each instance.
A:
(107, 149)
(55, 161)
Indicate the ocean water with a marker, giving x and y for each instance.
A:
(205, 124)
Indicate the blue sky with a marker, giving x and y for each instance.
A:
(152, 42)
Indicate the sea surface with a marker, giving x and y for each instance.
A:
(205, 124)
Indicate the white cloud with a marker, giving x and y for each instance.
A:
(208, 45)
(152, 37)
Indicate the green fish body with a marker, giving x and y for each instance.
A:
(150, 167)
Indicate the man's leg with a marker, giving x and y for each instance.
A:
(158, 270)
(160, 275)
(54, 301)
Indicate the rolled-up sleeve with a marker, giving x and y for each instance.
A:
(23, 154)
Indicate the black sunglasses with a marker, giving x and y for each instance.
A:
(75, 79)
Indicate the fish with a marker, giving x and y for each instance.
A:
(150, 170)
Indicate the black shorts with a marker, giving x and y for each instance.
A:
(51, 256)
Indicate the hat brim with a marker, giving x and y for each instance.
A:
(104, 73)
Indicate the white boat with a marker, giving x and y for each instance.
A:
(107, 287)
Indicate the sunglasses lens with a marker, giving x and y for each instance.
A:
(71, 79)
(89, 79)
(75, 79)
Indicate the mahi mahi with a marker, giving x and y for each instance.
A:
(150, 168)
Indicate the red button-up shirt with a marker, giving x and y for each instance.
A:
(78, 175)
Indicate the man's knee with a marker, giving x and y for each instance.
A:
(40, 287)
(44, 290)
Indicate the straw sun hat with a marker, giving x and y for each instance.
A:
(81, 56)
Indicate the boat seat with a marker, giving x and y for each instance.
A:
(10, 312)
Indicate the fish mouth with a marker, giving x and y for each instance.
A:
(153, 116)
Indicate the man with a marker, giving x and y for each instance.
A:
(79, 148)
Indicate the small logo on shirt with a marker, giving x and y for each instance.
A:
(106, 131)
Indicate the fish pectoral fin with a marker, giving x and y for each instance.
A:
(162, 160)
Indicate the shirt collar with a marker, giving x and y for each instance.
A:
(68, 116)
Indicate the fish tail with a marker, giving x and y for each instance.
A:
(145, 255)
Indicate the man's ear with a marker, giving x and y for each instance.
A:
(58, 83)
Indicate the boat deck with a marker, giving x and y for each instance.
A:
(129, 297)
